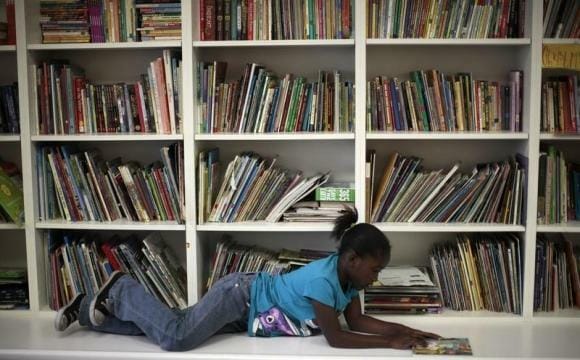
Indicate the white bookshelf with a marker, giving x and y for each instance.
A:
(106, 137)
(273, 43)
(359, 60)
(453, 42)
(9, 138)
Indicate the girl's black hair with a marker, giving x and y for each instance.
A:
(364, 239)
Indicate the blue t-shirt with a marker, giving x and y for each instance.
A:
(280, 304)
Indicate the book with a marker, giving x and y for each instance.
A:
(11, 198)
(449, 346)
(339, 192)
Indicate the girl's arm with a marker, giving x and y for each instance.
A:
(327, 320)
(362, 323)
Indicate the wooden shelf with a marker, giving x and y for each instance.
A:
(460, 42)
(107, 137)
(114, 225)
(272, 43)
(274, 136)
(9, 138)
(560, 136)
(375, 135)
(262, 226)
(8, 48)
(561, 41)
(448, 227)
(10, 226)
(569, 227)
(159, 44)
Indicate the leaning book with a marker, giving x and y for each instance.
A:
(451, 346)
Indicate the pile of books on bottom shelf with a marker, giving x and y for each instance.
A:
(231, 257)
(81, 263)
(13, 288)
(557, 280)
(480, 272)
(403, 290)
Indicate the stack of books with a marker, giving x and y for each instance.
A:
(558, 188)
(557, 280)
(264, 102)
(253, 188)
(230, 257)
(13, 288)
(491, 193)
(433, 101)
(480, 272)
(561, 105)
(11, 196)
(330, 201)
(403, 290)
(69, 103)
(81, 263)
(9, 112)
(64, 21)
(275, 20)
(98, 21)
(463, 19)
(80, 186)
(158, 19)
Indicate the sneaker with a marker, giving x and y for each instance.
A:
(68, 314)
(98, 309)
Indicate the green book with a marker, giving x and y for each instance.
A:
(11, 198)
(335, 192)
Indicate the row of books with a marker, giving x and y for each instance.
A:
(252, 188)
(11, 196)
(98, 21)
(463, 19)
(491, 193)
(13, 288)
(432, 101)
(275, 19)
(561, 19)
(230, 257)
(561, 105)
(480, 272)
(262, 102)
(9, 111)
(80, 186)
(8, 27)
(558, 188)
(406, 290)
(557, 280)
(82, 263)
(69, 103)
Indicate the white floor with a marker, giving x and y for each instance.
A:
(27, 336)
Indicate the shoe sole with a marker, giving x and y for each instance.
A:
(75, 302)
(99, 296)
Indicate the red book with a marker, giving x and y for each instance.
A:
(202, 20)
(572, 103)
(250, 20)
(11, 19)
(106, 247)
(78, 101)
(162, 94)
(209, 29)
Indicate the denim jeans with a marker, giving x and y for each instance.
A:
(223, 309)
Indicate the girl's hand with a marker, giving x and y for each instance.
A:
(422, 334)
(406, 341)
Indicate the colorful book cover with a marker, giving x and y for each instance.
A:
(451, 346)
(11, 198)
